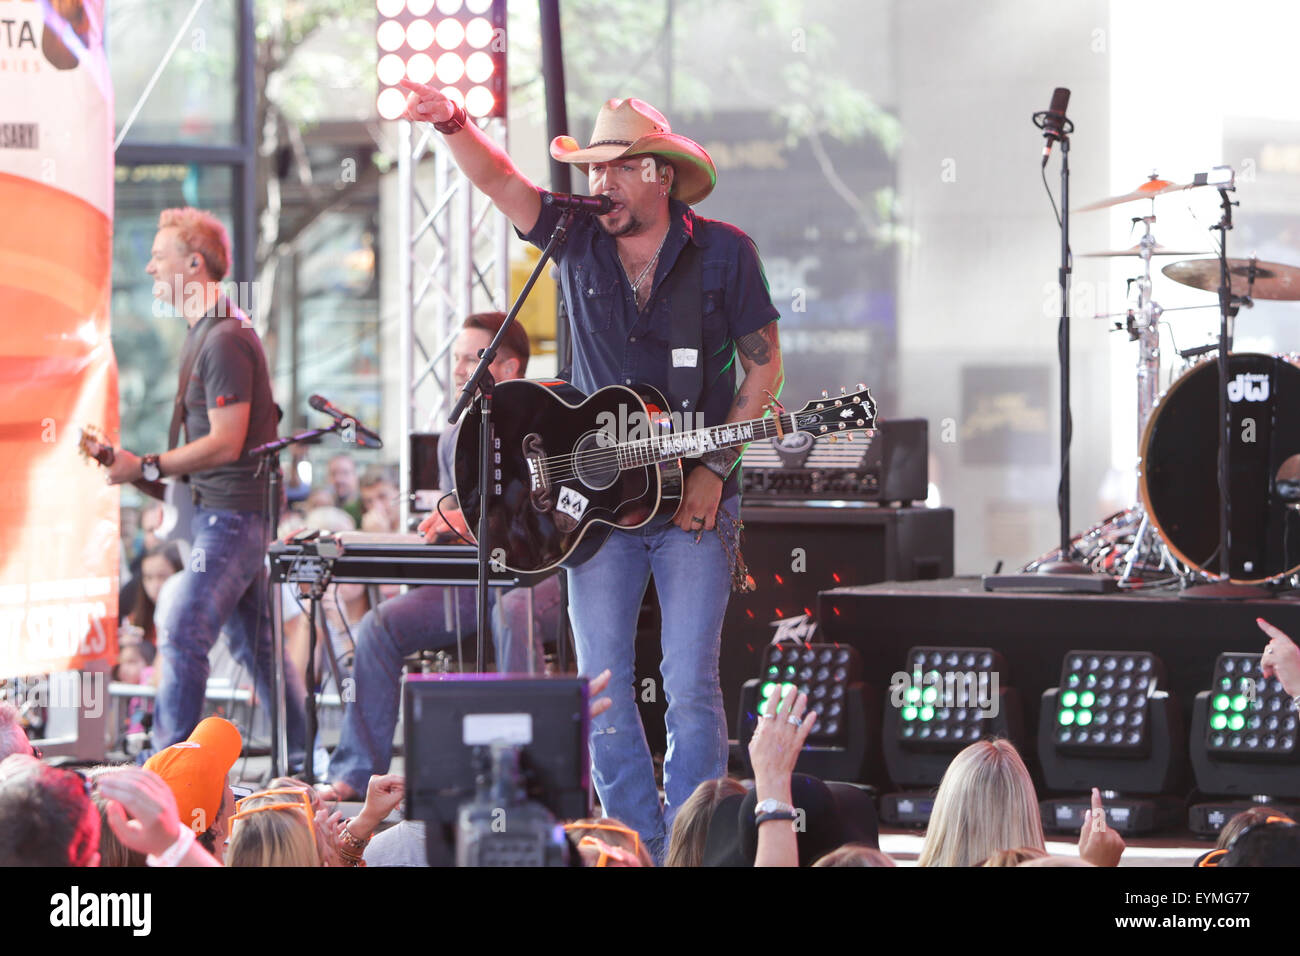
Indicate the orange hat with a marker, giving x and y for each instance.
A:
(196, 770)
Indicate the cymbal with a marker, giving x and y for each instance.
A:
(1159, 250)
(1148, 190)
(1271, 280)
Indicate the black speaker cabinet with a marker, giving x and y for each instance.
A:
(795, 552)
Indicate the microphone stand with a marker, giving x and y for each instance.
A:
(481, 381)
(1063, 574)
(269, 453)
(1225, 589)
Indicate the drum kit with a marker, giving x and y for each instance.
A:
(1172, 537)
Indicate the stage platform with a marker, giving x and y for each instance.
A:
(1034, 631)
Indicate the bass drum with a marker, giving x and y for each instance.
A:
(1178, 471)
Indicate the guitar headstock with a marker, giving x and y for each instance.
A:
(94, 445)
(832, 414)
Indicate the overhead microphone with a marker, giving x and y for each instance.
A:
(366, 437)
(1053, 122)
(595, 205)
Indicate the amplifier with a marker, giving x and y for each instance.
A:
(424, 473)
(892, 465)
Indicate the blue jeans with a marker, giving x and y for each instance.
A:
(693, 582)
(415, 621)
(224, 586)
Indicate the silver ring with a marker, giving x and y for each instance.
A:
(697, 518)
(792, 719)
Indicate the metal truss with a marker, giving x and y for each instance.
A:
(452, 242)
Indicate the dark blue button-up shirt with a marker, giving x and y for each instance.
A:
(614, 344)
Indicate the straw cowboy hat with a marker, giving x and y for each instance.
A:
(634, 128)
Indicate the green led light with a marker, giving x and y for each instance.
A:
(1084, 718)
(927, 713)
(1069, 698)
(774, 671)
(1219, 721)
(1239, 703)
(1236, 722)
(909, 713)
(789, 671)
(766, 690)
(1087, 698)
(1066, 717)
(913, 694)
(931, 694)
(1226, 683)
(1072, 680)
(1220, 701)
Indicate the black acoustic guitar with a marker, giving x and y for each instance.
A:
(569, 468)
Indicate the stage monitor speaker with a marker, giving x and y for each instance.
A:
(425, 478)
(794, 553)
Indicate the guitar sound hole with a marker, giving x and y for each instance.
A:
(595, 461)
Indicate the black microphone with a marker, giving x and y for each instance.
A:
(365, 437)
(595, 205)
(1053, 123)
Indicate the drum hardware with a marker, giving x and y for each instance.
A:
(1262, 280)
(1179, 550)
(1156, 250)
(1189, 354)
(1155, 186)
(1178, 480)
(1225, 587)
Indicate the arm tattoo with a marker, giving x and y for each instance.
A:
(757, 346)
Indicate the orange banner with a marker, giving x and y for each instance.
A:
(59, 538)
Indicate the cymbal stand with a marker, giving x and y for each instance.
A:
(1144, 328)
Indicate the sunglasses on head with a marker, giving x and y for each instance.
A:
(606, 851)
(1214, 856)
(301, 801)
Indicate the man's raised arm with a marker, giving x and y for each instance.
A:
(480, 159)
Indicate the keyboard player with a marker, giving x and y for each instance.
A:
(417, 620)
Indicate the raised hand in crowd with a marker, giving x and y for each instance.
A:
(773, 751)
(1099, 844)
(144, 818)
(383, 795)
(1281, 657)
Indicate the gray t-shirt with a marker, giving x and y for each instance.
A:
(230, 369)
(400, 845)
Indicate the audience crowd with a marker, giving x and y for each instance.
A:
(180, 809)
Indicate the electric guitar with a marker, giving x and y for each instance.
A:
(567, 468)
(94, 445)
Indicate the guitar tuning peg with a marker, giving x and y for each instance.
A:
(861, 387)
(825, 394)
(843, 390)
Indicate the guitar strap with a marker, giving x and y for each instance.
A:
(686, 330)
(187, 368)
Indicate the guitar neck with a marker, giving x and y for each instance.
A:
(675, 445)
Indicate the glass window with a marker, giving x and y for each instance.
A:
(194, 101)
(148, 343)
(337, 346)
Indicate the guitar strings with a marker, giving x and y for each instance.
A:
(602, 456)
(630, 449)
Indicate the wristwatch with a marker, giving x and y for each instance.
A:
(455, 123)
(771, 809)
(150, 470)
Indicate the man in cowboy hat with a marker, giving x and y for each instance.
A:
(618, 272)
